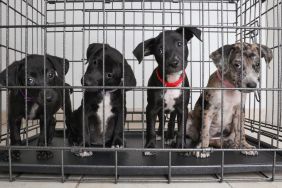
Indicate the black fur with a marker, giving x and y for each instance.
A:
(174, 61)
(113, 76)
(54, 97)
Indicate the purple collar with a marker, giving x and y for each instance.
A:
(26, 97)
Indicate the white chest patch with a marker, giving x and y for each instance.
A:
(32, 112)
(106, 108)
(169, 98)
(172, 94)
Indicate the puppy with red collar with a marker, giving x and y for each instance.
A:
(171, 53)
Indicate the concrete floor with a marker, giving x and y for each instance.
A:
(143, 185)
(256, 180)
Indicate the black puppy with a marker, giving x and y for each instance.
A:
(105, 110)
(170, 52)
(54, 73)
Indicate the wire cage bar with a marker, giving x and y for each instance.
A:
(65, 28)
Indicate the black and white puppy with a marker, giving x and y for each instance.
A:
(54, 73)
(170, 49)
(105, 110)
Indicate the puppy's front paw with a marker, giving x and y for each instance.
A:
(205, 153)
(169, 141)
(149, 153)
(250, 152)
(202, 154)
(84, 153)
(150, 144)
(117, 142)
(158, 138)
(44, 155)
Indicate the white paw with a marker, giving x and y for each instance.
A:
(148, 153)
(116, 146)
(84, 154)
(169, 141)
(158, 138)
(250, 152)
(203, 154)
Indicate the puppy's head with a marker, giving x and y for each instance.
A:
(169, 47)
(54, 71)
(241, 63)
(111, 71)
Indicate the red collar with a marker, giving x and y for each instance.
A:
(170, 84)
(226, 83)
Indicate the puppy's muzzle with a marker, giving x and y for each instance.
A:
(251, 85)
(49, 96)
(174, 64)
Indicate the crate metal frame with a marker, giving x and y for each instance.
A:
(247, 26)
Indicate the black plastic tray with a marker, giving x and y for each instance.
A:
(135, 163)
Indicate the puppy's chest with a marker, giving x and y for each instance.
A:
(104, 111)
(231, 101)
(169, 98)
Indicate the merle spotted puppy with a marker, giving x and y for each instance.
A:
(105, 110)
(240, 66)
(54, 73)
(174, 58)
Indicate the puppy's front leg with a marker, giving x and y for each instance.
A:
(205, 134)
(240, 139)
(15, 127)
(117, 140)
(180, 140)
(50, 126)
(151, 115)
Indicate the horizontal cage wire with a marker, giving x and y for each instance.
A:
(67, 28)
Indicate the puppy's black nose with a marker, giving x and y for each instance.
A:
(49, 98)
(252, 85)
(174, 63)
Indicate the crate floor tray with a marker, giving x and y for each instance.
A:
(135, 163)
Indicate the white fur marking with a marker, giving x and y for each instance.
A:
(32, 112)
(108, 111)
(172, 94)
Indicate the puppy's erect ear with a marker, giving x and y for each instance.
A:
(13, 74)
(129, 78)
(216, 56)
(58, 64)
(94, 48)
(148, 49)
(189, 32)
(266, 53)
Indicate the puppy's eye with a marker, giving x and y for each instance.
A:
(161, 51)
(179, 43)
(51, 75)
(237, 65)
(258, 64)
(30, 81)
(109, 75)
(94, 62)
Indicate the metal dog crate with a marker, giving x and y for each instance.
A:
(66, 27)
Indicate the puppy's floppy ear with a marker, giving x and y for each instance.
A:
(58, 64)
(266, 53)
(94, 48)
(189, 32)
(148, 49)
(13, 74)
(216, 56)
(129, 78)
